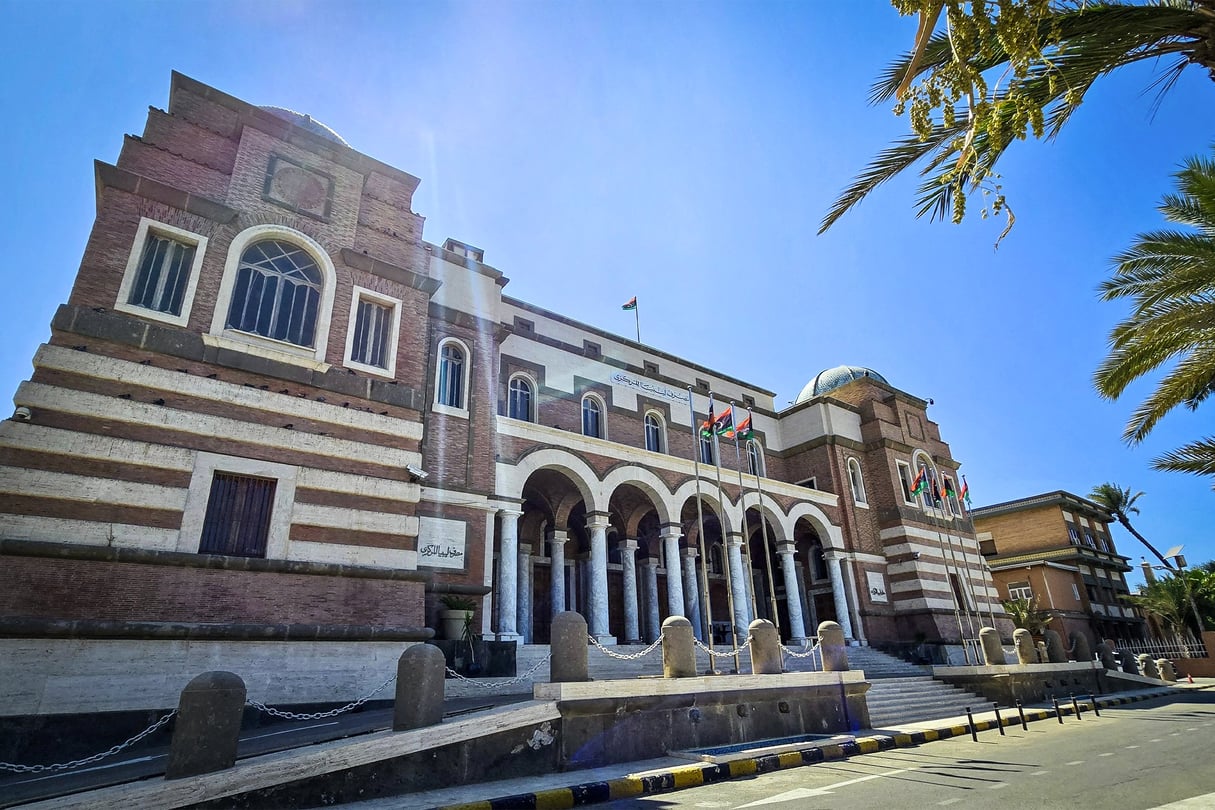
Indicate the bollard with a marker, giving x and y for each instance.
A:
(1082, 651)
(831, 642)
(999, 720)
(1076, 708)
(1096, 711)
(765, 648)
(1058, 714)
(207, 727)
(568, 643)
(1055, 653)
(678, 652)
(993, 650)
(1024, 642)
(970, 721)
(418, 703)
(1021, 711)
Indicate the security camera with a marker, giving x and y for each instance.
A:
(417, 473)
(22, 414)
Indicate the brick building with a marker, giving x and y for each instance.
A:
(271, 410)
(1057, 550)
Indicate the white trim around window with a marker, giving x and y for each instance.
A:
(389, 340)
(857, 483)
(906, 478)
(659, 430)
(459, 410)
(195, 513)
(511, 410)
(151, 228)
(600, 413)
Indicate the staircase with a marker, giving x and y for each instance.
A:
(901, 692)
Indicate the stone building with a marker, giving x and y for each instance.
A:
(1057, 550)
(272, 411)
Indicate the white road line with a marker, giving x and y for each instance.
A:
(1193, 803)
(1039, 773)
(802, 793)
(1129, 747)
(1175, 734)
(1076, 762)
(998, 785)
(74, 771)
(1156, 740)
(288, 731)
(950, 801)
(1107, 754)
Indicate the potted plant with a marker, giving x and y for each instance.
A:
(458, 611)
(471, 637)
(1025, 615)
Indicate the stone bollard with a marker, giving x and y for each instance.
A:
(678, 652)
(765, 648)
(207, 726)
(1147, 667)
(421, 670)
(1130, 664)
(1166, 669)
(1040, 646)
(1024, 642)
(993, 650)
(831, 642)
(1081, 651)
(568, 643)
(1106, 655)
(1055, 653)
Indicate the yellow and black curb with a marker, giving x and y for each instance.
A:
(688, 776)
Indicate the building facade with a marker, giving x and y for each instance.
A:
(1056, 549)
(271, 409)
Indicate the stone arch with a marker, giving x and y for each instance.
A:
(512, 478)
(646, 481)
(831, 535)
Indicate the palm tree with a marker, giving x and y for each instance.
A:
(991, 78)
(1120, 502)
(1169, 276)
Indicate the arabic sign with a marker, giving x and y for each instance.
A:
(652, 388)
(441, 543)
(877, 586)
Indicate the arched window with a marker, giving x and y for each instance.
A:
(519, 401)
(653, 434)
(276, 293)
(755, 459)
(818, 563)
(450, 391)
(858, 482)
(706, 450)
(592, 418)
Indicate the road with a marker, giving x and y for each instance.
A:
(1134, 757)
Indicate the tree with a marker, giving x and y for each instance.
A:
(1120, 503)
(1000, 71)
(1024, 614)
(1169, 275)
(1179, 602)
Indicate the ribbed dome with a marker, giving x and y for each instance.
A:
(833, 378)
(307, 122)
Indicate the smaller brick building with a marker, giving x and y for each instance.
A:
(1057, 549)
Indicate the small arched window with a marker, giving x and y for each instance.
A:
(755, 459)
(857, 481)
(519, 404)
(451, 376)
(277, 293)
(653, 434)
(592, 418)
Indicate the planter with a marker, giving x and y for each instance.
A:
(452, 623)
(494, 659)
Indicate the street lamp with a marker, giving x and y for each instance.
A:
(1179, 561)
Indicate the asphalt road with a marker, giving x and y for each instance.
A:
(1144, 755)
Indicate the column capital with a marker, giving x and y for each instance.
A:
(787, 547)
(597, 520)
(734, 540)
(513, 514)
(525, 549)
(689, 552)
(627, 544)
(560, 534)
(670, 530)
(834, 554)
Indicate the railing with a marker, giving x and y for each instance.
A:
(1177, 647)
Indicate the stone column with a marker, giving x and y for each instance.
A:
(837, 591)
(523, 613)
(557, 561)
(793, 596)
(748, 581)
(653, 626)
(508, 575)
(691, 593)
(628, 563)
(670, 546)
(597, 524)
(742, 607)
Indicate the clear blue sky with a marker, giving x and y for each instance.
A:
(682, 152)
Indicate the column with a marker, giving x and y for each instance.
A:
(597, 524)
(793, 596)
(691, 594)
(557, 572)
(653, 626)
(628, 563)
(670, 546)
(742, 608)
(748, 580)
(523, 613)
(508, 574)
(837, 592)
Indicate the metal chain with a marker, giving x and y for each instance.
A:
(715, 654)
(318, 715)
(8, 766)
(626, 656)
(500, 684)
(789, 651)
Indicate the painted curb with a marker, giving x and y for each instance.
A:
(697, 775)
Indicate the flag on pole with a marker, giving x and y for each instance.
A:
(717, 424)
(920, 484)
(742, 431)
(632, 303)
(965, 494)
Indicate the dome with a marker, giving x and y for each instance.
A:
(307, 122)
(833, 378)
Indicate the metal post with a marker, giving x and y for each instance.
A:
(1076, 707)
(970, 720)
(999, 720)
(1058, 714)
(1021, 711)
(1096, 711)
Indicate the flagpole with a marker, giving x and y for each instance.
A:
(930, 502)
(742, 501)
(967, 583)
(763, 527)
(963, 500)
(637, 320)
(725, 544)
(962, 578)
(705, 610)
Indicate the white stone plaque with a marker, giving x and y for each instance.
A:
(877, 586)
(441, 543)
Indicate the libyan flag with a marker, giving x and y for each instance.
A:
(720, 424)
(742, 431)
(632, 304)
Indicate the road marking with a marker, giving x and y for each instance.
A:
(1175, 734)
(1156, 740)
(804, 793)
(73, 771)
(1129, 747)
(1076, 762)
(1108, 754)
(1192, 729)
(950, 801)
(1039, 773)
(1193, 803)
(998, 785)
(289, 731)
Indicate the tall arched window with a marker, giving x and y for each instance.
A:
(922, 464)
(519, 404)
(653, 434)
(706, 450)
(277, 293)
(858, 482)
(451, 376)
(592, 418)
(755, 459)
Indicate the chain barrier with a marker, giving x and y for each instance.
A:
(792, 653)
(262, 707)
(526, 676)
(715, 654)
(626, 656)
(8, 766)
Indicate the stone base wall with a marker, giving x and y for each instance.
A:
(1037, 683)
